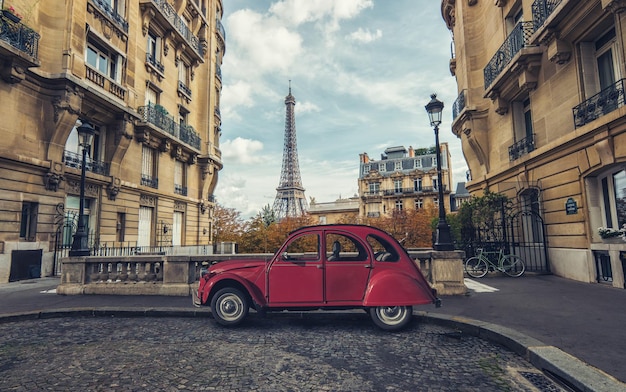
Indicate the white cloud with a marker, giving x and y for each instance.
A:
(296, 12)
(306, 107)
(242, 150)
(365, 36)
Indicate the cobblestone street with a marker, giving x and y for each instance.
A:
(315, 352)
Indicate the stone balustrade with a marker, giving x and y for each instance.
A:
(177, 275)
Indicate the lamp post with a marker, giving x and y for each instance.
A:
(444, 238)
(80, 245)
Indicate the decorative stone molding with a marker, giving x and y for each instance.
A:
(53, 179)
(147, 14)
(113, 189)
(614, 6)
(70, 101)
(166, 145)
(11, 72)
(180, 206)
(500, 3)
(559, 52)
(147, 201)
(448, 13)
(193, 159)
(177, 152)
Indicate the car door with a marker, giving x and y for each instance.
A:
(347, 268)
(296, 274)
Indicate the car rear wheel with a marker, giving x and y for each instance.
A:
(229, 306)
(391, 318)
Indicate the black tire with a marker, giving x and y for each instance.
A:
(229, 306)
(391, 318)
(513, 266)
(476, 267)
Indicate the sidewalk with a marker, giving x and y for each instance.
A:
(584, 320)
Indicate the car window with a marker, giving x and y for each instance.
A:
(303, 248)
(340, 247)
(383, 250)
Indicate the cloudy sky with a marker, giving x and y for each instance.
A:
(361, 72)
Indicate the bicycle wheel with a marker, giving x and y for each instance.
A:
(476, 267)
(513, 265)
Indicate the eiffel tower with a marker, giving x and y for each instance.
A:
(290, 200)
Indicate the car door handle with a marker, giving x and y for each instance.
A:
(368, 266)
(320, 267)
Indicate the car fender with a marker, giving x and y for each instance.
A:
(395, 288)
(214, 283)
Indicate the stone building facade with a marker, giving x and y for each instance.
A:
(146, 75)
(403, 179)
(541, 117)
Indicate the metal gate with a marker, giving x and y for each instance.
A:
(511, 227)
(65, 225)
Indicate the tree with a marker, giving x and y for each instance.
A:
(229, 226)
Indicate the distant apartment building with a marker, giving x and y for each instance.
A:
(541, 116)
(403, 179)
(335, 211)
(146, 76)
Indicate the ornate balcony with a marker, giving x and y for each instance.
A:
(74, 161)
(154, 63)
(152, 182)
(542, 9)
(19, 47)
(600, 104)
(105, 83)
(184, 91)
(521, 147)
(162, 11)
(180, 190)
(459, 104)
(159, 118)
(105, 8)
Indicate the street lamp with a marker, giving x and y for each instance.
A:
(444, 238)
(80, 245)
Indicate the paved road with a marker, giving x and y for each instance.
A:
(313, 351)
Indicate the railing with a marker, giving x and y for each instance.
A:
(459, 104)
(542, 10)
(518, 39)
(100, 80)
(521, 147)
(182, 87)
(151, 59)
(424, 189)
(19, 36)
(180, 190)
(105, 6)
(158, 116)
(600, 104)
(217, 112)
(149, 181)
(218, 71)
(75, 161)
(175, 20)
(220, 29)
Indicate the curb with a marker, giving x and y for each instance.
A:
(570, 370)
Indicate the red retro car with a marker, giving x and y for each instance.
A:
(321, 267)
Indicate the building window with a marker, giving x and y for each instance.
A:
(28, 222)
(152, 97)
(614, 199)
(417, 185)
(522, 120)
(144, 233)
(399, 205)
(366, 169)
(599, 63)
(374, 188)
(178, 223)
(73, 156)
(180, 178)
(148, 167)
(397, 186)
(322, 220)
(153, 51)
(418, 163)
(435, 183)
(436, 202)
(419, 204)
(381, 167)
(103, 60)
(398, 165)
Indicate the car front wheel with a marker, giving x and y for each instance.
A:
(391, 318)
(229, 306)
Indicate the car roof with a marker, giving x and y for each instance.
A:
(358, 229)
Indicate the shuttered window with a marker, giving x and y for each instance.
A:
(145, 226)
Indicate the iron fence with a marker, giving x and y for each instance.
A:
(518, 39)
(19, 36)
(600, 104)
(542, 9)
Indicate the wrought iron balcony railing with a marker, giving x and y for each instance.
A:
(459, 104)
(105, 6)
(542, 10)
(600, 104)
(149, 181)
(75, 161)
(182, 87)
(180, 190)
(169, 13)
(159, 117)
(151, 59)
(19, 36)
(220, 29)
(218, 71)
(518, 39)
(521, 147)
